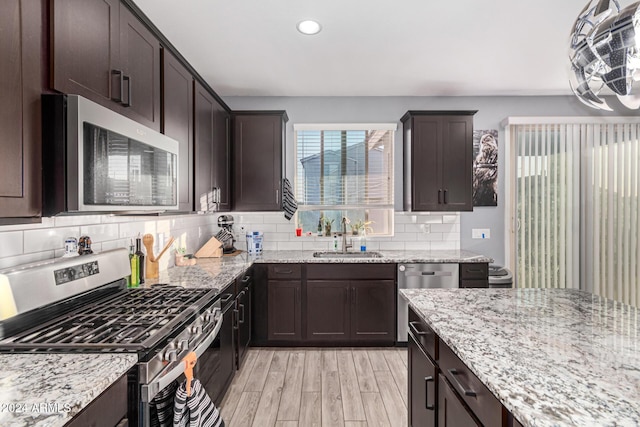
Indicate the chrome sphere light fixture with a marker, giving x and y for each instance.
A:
(605, 53)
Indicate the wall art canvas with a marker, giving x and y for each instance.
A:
(485, 167)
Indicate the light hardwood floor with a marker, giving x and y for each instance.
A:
(312, 387)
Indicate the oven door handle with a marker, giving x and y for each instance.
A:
(174, 370)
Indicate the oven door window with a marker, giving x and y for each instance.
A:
(121, 171)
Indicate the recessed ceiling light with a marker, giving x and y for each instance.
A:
(309, 27)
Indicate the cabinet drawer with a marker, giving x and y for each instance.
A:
(424, 335)
(474, 283)
(476, 395)
(106, 410)
(284, 271)
(474, 271)
(351, 271)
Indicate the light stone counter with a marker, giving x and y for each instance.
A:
(48, 390)
(387, 257)
(553, 357)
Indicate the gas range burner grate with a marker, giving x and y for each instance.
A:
(135, 319)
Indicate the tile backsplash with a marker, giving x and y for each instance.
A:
(412, 231)
(21, 244)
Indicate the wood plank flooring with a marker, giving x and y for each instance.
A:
(319, 387)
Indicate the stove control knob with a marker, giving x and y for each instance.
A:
(171, 355)
(184, 345)
(196, 330)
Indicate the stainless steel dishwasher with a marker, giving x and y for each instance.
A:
(421, 276)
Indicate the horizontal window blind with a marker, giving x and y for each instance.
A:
(344, 168)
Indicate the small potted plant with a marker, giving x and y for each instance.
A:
(361, 226)
(327, 226)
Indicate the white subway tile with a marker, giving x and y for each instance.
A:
(430, 237)
(391, 246)
(405, 237)
(398, 228)
(432, 219)
(269, 228)
(249, 219)
(114, 244)
(315, 246)
(100, 232)
(443, 228)
(269, 246)
(25, 259)
(46, 223)
(132, 229)
(48, 239)
(289, 246)
(77, 220)
(286, 228)
(279, 237)
(445, 246)
(413, 246)
(451, 219)
(11, 243)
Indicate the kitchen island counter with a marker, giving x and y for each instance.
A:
(551, 356)
(48, 390)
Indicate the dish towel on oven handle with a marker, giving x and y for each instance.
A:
(161, 407)
(289, 202)
(196, 410)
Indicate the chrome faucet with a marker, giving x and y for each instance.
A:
(345, 245)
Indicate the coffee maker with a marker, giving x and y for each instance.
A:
(225, 236)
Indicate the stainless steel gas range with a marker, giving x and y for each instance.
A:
(82, 304)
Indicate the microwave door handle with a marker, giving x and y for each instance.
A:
(173, 371)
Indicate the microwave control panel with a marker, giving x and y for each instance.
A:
(76, 272)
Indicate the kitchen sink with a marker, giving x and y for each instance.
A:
(347, 255)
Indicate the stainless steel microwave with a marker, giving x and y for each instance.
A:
(96, 160)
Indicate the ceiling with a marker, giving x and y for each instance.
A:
(373, 47)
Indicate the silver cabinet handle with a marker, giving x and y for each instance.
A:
(459, 386)
(120, 76)
(427, 380)
(412, 326)
(128, 80)
(277, 196)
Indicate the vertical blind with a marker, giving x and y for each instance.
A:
(576, 207)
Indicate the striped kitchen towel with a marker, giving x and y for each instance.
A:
(289, 203)
(161, 407)
(196, 410)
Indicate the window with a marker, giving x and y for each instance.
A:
(345, 171)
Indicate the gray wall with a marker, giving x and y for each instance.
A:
(491, 111)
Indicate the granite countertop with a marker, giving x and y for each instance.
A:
(551, 356)
(48, 390)
(387, 257)
(217, 273)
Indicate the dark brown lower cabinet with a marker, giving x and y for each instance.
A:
(350, 310)
(328, 314)
(451, 410)
(284, 310)
(107, 410)
(423, 386)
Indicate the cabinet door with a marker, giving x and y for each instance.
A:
(373, 310)
(328, 310)
(203, 147)
(284, 310)
(426, 163)
(243, 307)
(422, 387)
(451, 411)
(21, 86)
(85, 46)
(221, 156)
(457, 163)
(177, 123)
(140, 59)
(257, 159)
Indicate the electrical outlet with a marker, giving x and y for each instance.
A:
(480, 233)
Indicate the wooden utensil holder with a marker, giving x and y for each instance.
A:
(151, 269)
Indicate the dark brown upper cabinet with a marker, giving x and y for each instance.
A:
(438, 160)
(211, 180)
(177, 121)
(101, 51)
(20, 86)
(258, 150)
